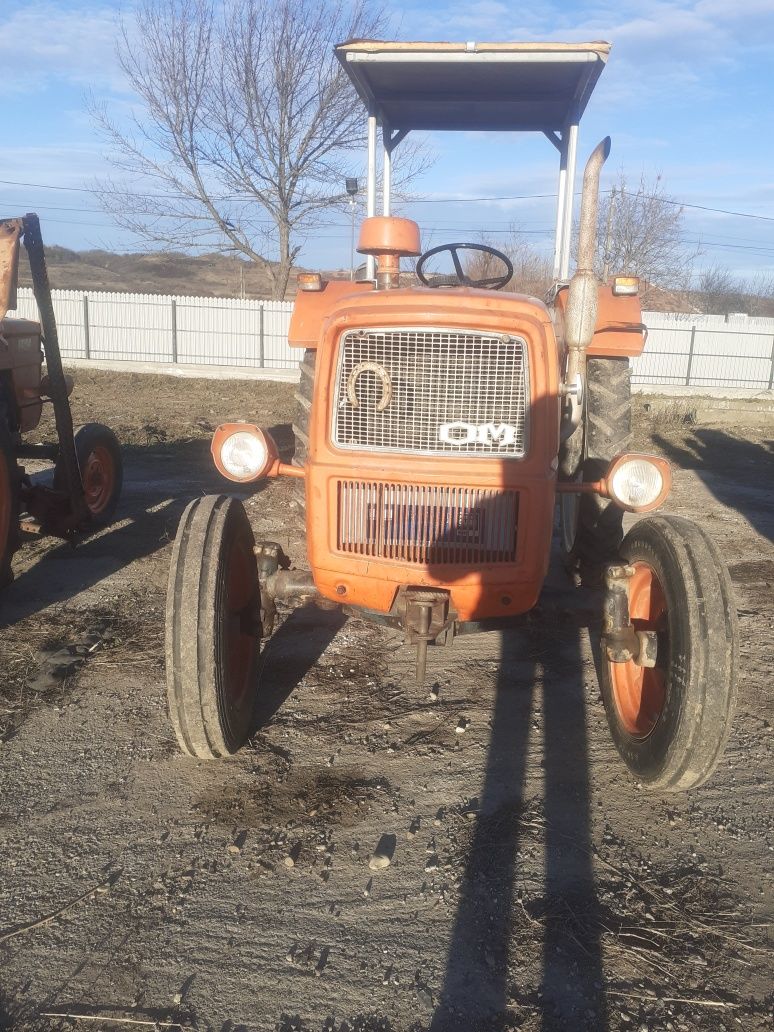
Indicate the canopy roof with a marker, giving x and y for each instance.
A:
(466, 86)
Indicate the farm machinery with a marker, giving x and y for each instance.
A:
(87, 462)
(439, 427)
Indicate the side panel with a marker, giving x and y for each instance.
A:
(486, 589)
(619, 332)
(312, 307)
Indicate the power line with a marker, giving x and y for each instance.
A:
(423, 200)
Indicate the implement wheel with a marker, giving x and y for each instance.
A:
(9, 506)
(670, 722)
(213, 628)
(102, 471)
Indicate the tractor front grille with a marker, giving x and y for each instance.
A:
(426, 524)
(432, 391)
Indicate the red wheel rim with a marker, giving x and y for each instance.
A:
(99, 477)
(640, 692)
(240, 618)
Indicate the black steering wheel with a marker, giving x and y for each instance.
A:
(461, 279)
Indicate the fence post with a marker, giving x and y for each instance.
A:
(260, 335)
(690, 357)
(174, 330)
(86, 333)
(771, 371)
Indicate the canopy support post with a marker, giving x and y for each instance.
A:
(572, 150)
(387, 146)
(561, 200)
(371, 184)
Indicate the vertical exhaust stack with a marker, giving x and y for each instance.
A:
(580, 317)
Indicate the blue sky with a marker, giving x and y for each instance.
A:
(688, 92)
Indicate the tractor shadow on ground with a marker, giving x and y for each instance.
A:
(293, 649)
(504, 917)
(738, 472)
(159, 481)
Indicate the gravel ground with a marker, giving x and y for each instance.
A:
(532, 885)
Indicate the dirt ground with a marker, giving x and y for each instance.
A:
(534, 884)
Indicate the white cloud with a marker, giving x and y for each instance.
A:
(46, 42)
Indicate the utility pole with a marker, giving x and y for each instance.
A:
(352, 188)
(608, 236)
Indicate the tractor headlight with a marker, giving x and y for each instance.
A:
(638, 483)
(243, 452)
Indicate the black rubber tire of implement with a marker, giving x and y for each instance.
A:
(702, 646)
(608, 432)
(301, 424)
(211, 710)
(87, 438)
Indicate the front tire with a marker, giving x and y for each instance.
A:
(670, 723)
(301, 424)
(213, 628)
(592, 526)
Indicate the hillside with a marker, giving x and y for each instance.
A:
(209, 275)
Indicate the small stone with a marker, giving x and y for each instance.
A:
(431, 863)
(462, 725)
(292, 858)
(414, 827)
(383, 854)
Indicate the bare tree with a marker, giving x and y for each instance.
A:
(719, 292)
(246, 125)
(532, 270)
(641, 233)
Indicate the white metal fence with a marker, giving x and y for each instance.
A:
(160, 328)
(681, 350)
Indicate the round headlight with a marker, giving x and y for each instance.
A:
(636, 483)
(243, 455)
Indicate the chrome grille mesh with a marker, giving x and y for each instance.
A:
(426, 524)
(474, 380)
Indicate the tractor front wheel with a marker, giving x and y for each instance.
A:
(213, 628)
(670, 722)
(102, 471)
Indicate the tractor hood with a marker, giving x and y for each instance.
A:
(347, 304)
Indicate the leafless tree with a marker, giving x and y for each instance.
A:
(245, 127)
(719, 292)
(641, 233)
(532, 270)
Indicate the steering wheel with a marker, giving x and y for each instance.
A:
(462, 279)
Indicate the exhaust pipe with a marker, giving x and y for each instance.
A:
(580, 317)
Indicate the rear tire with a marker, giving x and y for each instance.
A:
(301, 424)
(592, 526)
(102, 471)
(670, 723)
(213, 628)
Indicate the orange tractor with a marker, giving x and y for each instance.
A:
(87, 463)
(438, 428)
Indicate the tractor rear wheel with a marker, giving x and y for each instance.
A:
(102, 471)
(592, 526)
(213, 628)
(301, 423)
(9, 505)
(670, 722)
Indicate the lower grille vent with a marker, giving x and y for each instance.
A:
(427, 524)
